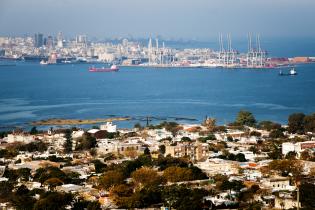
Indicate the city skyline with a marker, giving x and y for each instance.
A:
(176, 19)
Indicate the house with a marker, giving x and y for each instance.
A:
(20, 137)
(225, 198)
(77, 134)
(109, 127)
(114, 146)
(286, 201)
(202, 151)
(279, 184)
(184, 133)
(181, 149)
(298, 147)
(159, 134)
(219, 166)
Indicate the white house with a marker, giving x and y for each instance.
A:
(24, 138)
(298, 147)
(109, 127)
(279, 184)
(159, 134)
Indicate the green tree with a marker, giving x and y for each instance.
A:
(11, 174)
(296, 123)
(6, 188)
(146, 151)
(68, 143)
(162, 149)
(254, 149)
(177, 174)
(245, 118)
(232, 185)
(99, 166)
(183, 198)
(240, 157)
(42, 174)
(53, 201)
(110, 179)
(286, 167)
(146, 177)
(24, 173)
(307, 195)
(94, 205)
(138, 126)
(34, 131)
(186, 139)
(37, 146)
(53, 183)
(291, 155)
(275, 152)
(309, 123)
(165, 162)
(255, 133)
(22, 199)
(268, 125)
(86, 142)
(276, 134)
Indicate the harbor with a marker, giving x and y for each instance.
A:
(151, 52)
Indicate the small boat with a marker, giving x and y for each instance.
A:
(292, 72)
(281, 73)
(103, 69)
(42, 62)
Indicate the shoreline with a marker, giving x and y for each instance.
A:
(59, 121)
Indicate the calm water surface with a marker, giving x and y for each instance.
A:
(31, 92)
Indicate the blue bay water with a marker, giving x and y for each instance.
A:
(31, 92)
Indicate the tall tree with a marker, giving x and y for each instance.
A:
(178, 174)
(245, 118)
(34, 131)
(309, 123)
(110, 179)
(68, 142)
(162, 149)
(296, 123)
(146, 177)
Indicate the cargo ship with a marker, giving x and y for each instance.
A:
(103, 69)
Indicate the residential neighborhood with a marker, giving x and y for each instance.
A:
(243, 165)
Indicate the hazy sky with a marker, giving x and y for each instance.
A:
(190, 19)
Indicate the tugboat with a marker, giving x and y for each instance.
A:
(292, 72)
(103, 69)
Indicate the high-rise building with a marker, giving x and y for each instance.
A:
(59, 40)
(50, 42)
(81, 40)
(38, 40)
(2, 52)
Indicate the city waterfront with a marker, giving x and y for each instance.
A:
(32, 92)
(157, 105)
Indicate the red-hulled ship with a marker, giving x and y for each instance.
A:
(103, 69)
